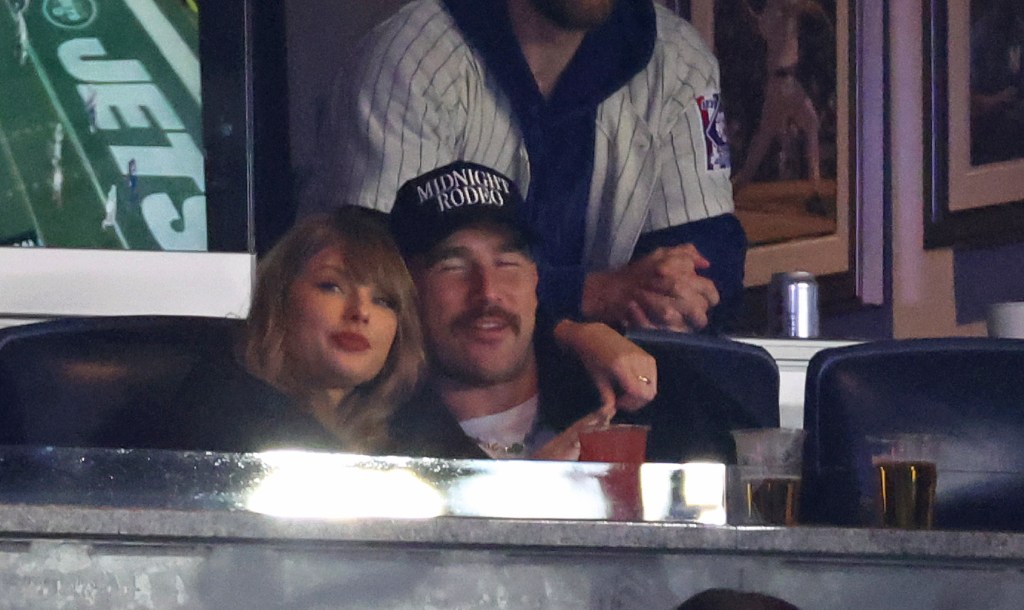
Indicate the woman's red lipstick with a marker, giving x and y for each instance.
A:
(350, 342)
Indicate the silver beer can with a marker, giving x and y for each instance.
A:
(793, 305)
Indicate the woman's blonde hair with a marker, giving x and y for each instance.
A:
(372, 258)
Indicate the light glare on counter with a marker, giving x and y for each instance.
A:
(325, 486)
(518, 490)
(703, 489)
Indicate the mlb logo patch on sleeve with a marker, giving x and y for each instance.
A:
(712, 119)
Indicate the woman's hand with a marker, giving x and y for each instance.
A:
(625, 375)
(566, 446)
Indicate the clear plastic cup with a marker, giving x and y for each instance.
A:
(769, 466)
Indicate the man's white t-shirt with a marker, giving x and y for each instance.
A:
(511, 434)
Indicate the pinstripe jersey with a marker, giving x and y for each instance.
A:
(419, 97)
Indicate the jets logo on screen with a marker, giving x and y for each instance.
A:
(69, 13)
(713, 121)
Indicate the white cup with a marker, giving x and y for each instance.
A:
(1006, 320)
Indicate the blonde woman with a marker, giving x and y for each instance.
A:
(331, 346)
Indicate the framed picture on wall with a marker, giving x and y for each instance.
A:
(974, 113)
(789, 88)
(786, 83)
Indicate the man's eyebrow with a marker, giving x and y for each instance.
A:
(513, 247)
(516, 245)
(447, 252)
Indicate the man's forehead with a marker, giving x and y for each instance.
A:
(480, 237)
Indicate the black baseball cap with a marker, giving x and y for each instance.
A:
(432, 206)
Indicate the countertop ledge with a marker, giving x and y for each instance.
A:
(21, 522)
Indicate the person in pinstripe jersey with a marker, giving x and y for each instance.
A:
(606, 113)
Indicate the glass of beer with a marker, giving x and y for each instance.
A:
(770, 462)
(905, 467)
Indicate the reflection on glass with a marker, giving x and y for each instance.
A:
(515, 489)
(344, 486)
(659, 490)
(692, 492)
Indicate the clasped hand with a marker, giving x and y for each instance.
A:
(661, 290)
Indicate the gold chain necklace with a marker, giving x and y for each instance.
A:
(513, 449)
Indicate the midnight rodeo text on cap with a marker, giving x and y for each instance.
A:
(465, 186)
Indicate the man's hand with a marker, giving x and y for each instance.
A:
(625, 375)
(566, 446)
(660, 290)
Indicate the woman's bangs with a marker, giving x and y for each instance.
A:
(376, 263)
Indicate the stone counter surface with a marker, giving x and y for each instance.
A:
(214, 527)
(84, 557)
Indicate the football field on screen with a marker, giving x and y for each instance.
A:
(100, 125)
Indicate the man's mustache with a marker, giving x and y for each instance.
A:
(470, 317)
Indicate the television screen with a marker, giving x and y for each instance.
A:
(102, 140)
(127, 130)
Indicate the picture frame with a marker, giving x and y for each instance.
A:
(825, 239)
(825, 247)
(974, 182)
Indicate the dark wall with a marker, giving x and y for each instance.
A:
(320, 37)
(984, 276)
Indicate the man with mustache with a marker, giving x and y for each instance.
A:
(506, 382)
(606, 114)
(490, 390)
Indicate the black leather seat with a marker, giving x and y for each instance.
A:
(707, 386)
(83, 381)
(971, 390)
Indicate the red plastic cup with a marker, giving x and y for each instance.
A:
(624, 446)
(625, 443)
